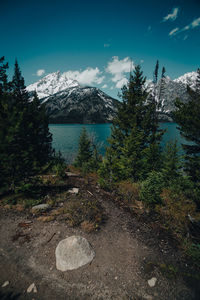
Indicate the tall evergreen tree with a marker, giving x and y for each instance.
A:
(3, 76)
(5, 112)
(187, 118)
(171, 162)
(131, 133)
(26, 141)
(155, 73)
(84, 150)
(153, 152)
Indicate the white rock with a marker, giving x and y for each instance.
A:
(74, 191)
(44, 206)
(72, 253)
(70, 174)
(147, 297)
(152, 281)
(5, 284)
(32, 288)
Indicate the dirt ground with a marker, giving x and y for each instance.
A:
(128, 252)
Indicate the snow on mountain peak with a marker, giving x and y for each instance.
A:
(188, 79)
(51, 84)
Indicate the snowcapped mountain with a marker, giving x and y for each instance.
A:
(188, 79)
(172, 89)
(51, 84)
(68, 102)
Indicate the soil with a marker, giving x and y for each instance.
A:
(129, 251)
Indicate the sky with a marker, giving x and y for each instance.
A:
(98, 42)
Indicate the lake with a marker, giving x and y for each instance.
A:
(66, 136)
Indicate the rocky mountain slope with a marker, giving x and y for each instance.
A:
(172, 89)
(68, 102)
(87, 105)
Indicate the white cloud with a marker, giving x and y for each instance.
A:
(174, 31)
(104, 86)
(40, 72)
(106, 45)
(88, 76)
(121, 83)
(172, 16)
(195, 23)
(186, 28)
(118, 68)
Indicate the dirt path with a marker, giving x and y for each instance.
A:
(125, 252)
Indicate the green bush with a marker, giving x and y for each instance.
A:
(88, 159)
(151, 189)
(58, 166)
(194, 253)
(80, 210)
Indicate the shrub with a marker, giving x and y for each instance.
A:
(87, 159)
(80, 210)
(193, 252)
(58, 166)
(151, 189)
(174, 212)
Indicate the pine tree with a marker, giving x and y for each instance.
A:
(25, 140)
(171, 162)
(162, 87)
(3, 76)
(131, 134)
(155, 74)
(5, 111)
(187, 118)
(19, 88)
(153, 152)
(85, 152)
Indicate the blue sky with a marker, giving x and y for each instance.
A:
(95, 40)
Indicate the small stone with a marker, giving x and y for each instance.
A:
(74, 191)
(116, 278)
(40, 207)
(5, 284)
(152, 281)
(32, 288)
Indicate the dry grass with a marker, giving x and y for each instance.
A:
(78, 210)
(88, 226)
(129, 194)
(174, 212)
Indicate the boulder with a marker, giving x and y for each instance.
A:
(40, 207)
(72, 253)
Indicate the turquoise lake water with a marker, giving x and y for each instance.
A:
(66, 136)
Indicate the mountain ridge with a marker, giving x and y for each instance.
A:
(69, 102)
